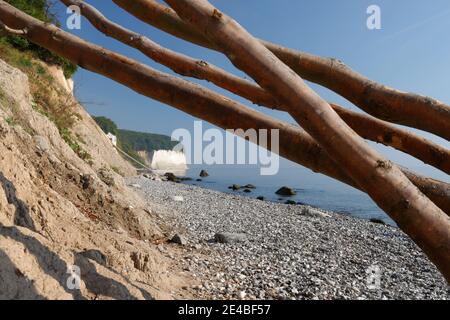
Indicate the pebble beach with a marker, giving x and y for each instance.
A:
(243, 248)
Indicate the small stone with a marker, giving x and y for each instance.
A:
(86, 181)
(242, 295)
(171, 177)
(178, 239)
(314, 213)
(178, 198)
(228, 237)
(42, 143)
(95, 255)
(378, 221)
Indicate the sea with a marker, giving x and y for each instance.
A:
(311, 188)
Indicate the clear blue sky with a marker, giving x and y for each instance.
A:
(411, 53)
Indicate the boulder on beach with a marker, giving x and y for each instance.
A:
(260, 198)
(204, 174)
(171, 177)
(228, 237)
(178, 239)
(291, 202)
(286, 191)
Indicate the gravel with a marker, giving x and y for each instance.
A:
(291, 251)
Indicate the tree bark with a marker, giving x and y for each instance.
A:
(415, 214)
(295, 144)
(385, 103)
(366, 126)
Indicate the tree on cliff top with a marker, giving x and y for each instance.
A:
(42, 10)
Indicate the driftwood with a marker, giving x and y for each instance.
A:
(378, 100)
(366, 126)
(415, 214)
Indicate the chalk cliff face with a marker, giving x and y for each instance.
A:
(58, 75)
(65, 206)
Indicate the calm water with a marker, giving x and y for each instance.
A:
(313, 189)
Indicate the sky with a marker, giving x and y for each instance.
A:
(410, 52)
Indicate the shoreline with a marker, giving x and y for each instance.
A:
(289, 251)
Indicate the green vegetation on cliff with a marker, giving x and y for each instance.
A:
(39, 9)
(132, 141)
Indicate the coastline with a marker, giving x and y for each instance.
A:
(290, 251)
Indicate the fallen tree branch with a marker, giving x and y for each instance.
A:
(385, 103)
(383, 181)
(295, 144)
(366, 126)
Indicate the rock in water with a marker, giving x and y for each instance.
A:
(204, 174)
(247, 190)
(235, 187)
(260, 198)
(286, 191)
(228, 237)
(249, 186)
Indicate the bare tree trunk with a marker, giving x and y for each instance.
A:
(415, 214)
(366, 126)
(378, 100)
(295, 144)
